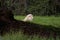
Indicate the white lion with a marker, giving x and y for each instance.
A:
(29, 17)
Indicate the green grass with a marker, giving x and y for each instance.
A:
(20, 36)
(45, 20)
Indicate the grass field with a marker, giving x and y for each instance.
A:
(51, 20)
(20, 36)
(45, 20)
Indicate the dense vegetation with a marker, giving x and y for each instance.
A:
(36, 7)
(20, 36)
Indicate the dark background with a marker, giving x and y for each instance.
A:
(35, 7)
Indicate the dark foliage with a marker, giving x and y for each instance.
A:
(8, 23)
